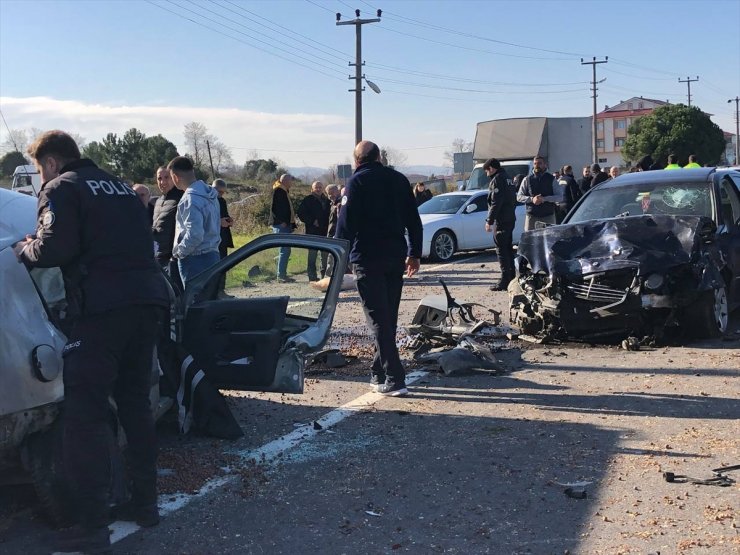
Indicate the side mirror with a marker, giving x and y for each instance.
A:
(470, 208)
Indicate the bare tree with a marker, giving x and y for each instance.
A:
(392, 156)
(221, 154)
(17, 140)
(196, 135)
(458, 145)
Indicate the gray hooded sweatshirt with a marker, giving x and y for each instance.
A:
(198, 223)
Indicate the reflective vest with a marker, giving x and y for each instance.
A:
(692, 165)
(673, 167)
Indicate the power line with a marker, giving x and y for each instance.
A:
(428, 86)
(241, 40)
(688, 82)
(479, 100)
(637, 76)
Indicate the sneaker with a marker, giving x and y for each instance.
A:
(393, 390)
(285, 279)
(145, 516)
(80, 539)
(376, 382)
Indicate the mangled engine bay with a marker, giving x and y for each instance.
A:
(619, 277)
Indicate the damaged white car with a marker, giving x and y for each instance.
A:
(233, 328)
(649, 254)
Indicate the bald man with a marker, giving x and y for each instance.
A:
(377, 210)
(314, 213)
(145, 196)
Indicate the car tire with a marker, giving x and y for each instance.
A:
(443, 246)
(709, 316)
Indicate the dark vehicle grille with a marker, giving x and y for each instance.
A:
(602, 289)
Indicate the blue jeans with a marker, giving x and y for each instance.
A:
(191, 266)
(282, 265)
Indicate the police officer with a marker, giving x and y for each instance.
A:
(378, 207)
(96, 229)
(501, 219)
(571, 192)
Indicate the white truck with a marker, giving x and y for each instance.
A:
(516, 141)
(26, 179)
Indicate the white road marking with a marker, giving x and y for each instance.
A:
(264, 455)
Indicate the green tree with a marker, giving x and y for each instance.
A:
(675, 129)
(134, 157)
(10, 161)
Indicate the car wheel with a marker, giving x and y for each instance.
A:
(710, 314)
(443, 245)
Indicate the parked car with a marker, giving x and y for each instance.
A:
(255, 337)
(455, 222)
(646, 254)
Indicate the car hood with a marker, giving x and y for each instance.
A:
(17, 216)
(654, 243)
(434, 218)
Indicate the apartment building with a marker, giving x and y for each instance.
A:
(612, 124)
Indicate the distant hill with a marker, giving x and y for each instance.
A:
(425, 170)
(309, 172)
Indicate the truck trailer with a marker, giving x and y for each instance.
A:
(516, 141)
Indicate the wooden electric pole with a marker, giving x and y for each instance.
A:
(688, 82)
(594, 90)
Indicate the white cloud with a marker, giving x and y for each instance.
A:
(316, 139)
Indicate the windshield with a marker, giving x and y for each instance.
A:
(516, 169)
(477, 180)
(671, 198)
(443, 204)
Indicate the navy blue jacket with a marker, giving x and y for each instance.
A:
(377, 210)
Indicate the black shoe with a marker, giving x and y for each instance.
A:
(285, 279)
(393, 390)
(376, 381)
(145, 516)
(83, 540)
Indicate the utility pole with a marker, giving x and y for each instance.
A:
(358, 23)
(688, 82)
(594, 90)
(736, 100)
(210, 158)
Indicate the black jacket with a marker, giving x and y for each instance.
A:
(599, 178)
(571, 191)
(163, 224)
(315, 209)
(95, 228)
(422, 197)
(333, 216)
(377, 211)
(280, 212)
(584, 184)
(227, 242)
(501, 200)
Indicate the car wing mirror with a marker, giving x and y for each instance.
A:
(470, 208)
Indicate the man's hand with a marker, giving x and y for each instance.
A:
(489, 228)
(412, 266)
(537, 200)
(225, 222)
(20, 245)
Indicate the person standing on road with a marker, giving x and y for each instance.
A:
(163, 224)
(145, 195)
(644, 164)
(571, 191)
(282, 220)
(584, 184)
(501, 219)
(93, 227)
(421, 194)
(692, 162)
(673, 163)
(538, 193)
(198, 221)
(613, 172)
(227, 241)
(597, 175)
(378, 208)
(314, 213)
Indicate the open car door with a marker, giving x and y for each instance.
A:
(246, 330)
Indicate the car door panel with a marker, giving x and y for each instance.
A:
(258, 337)
(238, 341)
(474, 225)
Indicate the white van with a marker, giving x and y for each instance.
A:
(26, 179)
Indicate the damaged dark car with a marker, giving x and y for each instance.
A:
(649, 254)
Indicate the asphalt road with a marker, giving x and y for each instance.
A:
(467, 464)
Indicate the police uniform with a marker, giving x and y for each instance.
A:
(377, 210)
(95, 228)
(501, 215)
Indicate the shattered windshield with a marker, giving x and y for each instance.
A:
(443, 204)
(671, 198)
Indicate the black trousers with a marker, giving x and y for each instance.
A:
(110, 354)
(313, 254)
(380, 286)
(172, 270)
(502, 236)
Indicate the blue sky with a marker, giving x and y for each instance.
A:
(97, 66)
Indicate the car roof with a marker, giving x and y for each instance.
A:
(659, 176)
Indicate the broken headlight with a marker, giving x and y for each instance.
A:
(654, 281)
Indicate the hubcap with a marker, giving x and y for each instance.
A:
(444, 246)
(721, 310)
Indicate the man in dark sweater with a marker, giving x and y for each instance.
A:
(163, 224)
(501, 219)
(282, 220)
(571, 192)
(314, 213)
(538, 192)
(378, 209)
(599, 175)
(584, 184)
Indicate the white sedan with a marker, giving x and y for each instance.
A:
(456, 222)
